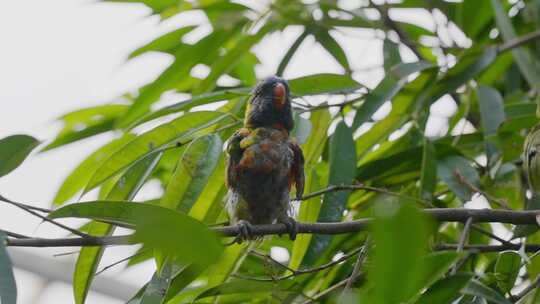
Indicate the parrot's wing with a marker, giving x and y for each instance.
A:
(297, 169)
(234, 155)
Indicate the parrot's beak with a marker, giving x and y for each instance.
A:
(280, 95)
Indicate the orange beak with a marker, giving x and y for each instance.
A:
(279, 95)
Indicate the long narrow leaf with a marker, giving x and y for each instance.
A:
(158, 227)
(190, 124)
(125, 188)
(14, 150)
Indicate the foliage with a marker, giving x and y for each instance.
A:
(469, 59)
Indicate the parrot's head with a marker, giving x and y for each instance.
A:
(270, 105)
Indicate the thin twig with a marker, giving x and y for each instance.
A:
(335, 188)
(464, 234)
(45, 210)
(331, 289)
(514, 43)
(14, 235)
(91, 241)
(462, 240)
(499, 202)
(489, 234)
(326, 105)
(119, 262)
(271, 259)
(297, 272)
(44, 218)
(356, 270)
(65, 253)
(488, 248)
(394, 26)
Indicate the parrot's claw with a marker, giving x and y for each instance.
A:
(245, 232)
(292, 227)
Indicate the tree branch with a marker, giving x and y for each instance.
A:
(462, 240)
(527, 289)
(489, 248)
(21, 205)
(356, 269)
(439, 214)
(30, 209)
(72, 242)
(514, 43)
(391, 24)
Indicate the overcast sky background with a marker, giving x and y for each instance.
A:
(58, 56)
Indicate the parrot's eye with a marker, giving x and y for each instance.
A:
(279, 95)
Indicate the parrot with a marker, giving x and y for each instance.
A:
(531, 160)
(264, 162)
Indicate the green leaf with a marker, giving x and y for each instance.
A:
(81, 175)
(499, 67)
(409, 98)
(491, 109)
(507, 269)
(428, 177)
(342, 169)
(8, 288)
(182, 278)
(434, 266)
(229, 262)
(355, 21)
(394, 81)
(244, 70)
(227, 62)
(302, 129)
(156, 289)
(125, 188)
(458, 174)
(209, 204)
(14, 150)
(469, 65)
(174, 233)
(189, 125)
(193, 102)
(320, 122)
(400, 232)
(446, 290)
(179, 279)
(167, 43)
(330, 44)
(391, 54)
(492, 113)
(322, 83)
(87, 262)
(192, 173)
(290, 53)
(241, 286)
(186, 58)
(403, 161)
(309, 212)
(86, 122)
(526, 63)
(477, 288)
(474, 16)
